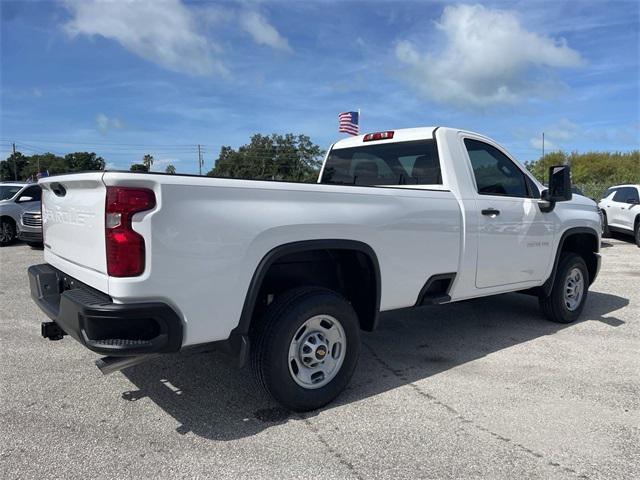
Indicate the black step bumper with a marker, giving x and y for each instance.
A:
(94, 320)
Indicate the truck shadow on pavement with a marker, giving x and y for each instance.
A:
(205, 392)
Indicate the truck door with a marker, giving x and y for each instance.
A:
(514, 236)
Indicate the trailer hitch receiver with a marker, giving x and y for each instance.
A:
(52, 331)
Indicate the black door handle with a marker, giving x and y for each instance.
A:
(492, 212)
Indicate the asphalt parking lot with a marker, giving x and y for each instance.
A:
(480, 389)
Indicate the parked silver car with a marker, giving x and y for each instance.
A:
(30, 228)
(15, 199)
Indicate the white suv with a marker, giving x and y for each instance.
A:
(621, 209)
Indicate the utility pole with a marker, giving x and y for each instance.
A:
(199, 160)
(15, 169)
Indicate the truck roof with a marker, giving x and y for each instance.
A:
(399, 135)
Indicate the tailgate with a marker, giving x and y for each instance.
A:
(73, 226)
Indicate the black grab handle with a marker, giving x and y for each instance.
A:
(491, 212)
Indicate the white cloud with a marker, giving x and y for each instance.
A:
(160, 164)
(105, 123)
(536, 142)
(488, 58)
(162, 31)
(262, 32)
(557, 134)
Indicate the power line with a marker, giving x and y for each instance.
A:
(111, 144)
(37, 149)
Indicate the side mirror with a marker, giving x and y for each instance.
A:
(559, 184)
(559, 188)
(25, 199)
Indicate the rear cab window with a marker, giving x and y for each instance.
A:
(400, 163)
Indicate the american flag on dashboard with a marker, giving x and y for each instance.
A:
(348, 122)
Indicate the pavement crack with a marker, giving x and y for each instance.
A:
(465, 420)
(335, 453)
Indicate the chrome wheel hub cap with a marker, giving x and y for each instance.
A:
(573, 289)
(317, 351)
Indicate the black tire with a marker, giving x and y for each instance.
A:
(606, 233)
(636, 232)
(554, 306)
(7, 232)
(271, 339)
(36, 245)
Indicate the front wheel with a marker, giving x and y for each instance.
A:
(570, 288)
(606, 233)
(7, 232)
(636, 232)
(305, 349)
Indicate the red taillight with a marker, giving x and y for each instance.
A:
(125, 247)
(369, 137)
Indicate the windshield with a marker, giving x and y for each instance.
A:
(8, 191)
(400, 163)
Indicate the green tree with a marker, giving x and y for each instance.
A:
(45, 162)
(147, 161)
(13, 166)
(170, 169)
(83, 161)
(138, 167)
(48, 162)
(593, 172)
(271, 157)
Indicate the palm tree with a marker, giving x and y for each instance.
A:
(170, 169)
(147, 161)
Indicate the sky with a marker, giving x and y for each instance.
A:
(125, 78)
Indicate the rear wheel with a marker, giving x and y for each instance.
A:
(570, 288)
(305, 349)
(7, 232)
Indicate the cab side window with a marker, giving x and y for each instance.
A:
(495, 173)
(627, 195)
(35, 192)
(623, 194)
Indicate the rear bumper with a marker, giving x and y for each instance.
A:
(102, 326)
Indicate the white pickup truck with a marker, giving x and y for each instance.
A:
(287, 274)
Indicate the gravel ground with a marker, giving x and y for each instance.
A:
(480, 389)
